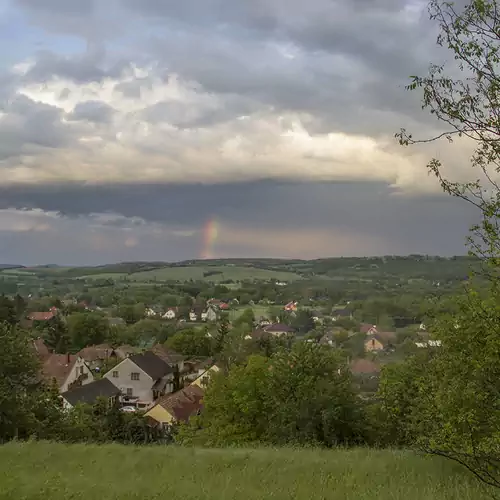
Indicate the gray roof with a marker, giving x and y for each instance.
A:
(279, 327)
(151, 364)
(89, 393)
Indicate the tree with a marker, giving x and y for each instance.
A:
(8, 313)
(190, 342)
(55, 335)
(18, 373)
(303, 396)
(468, 108)
(87, 329)
(303, 321)
(247, 318)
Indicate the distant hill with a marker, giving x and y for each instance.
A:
(12, 266)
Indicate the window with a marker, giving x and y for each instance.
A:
(115, 374)
(81, 370)
(135, 376)
(130, 391)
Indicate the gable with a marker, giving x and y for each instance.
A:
(125, 367)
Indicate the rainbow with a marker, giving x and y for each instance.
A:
(210, 233)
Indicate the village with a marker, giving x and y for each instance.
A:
(167, 386)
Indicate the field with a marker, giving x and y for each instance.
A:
(220, 273)
(55, 471)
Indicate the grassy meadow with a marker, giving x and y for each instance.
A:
(44, 470)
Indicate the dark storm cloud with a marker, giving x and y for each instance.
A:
(425, 224)
(27, 125)
(84, 68)
(350, 58)
(92, 111)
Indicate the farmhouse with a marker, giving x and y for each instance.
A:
(142, 379)
(177, 407)
(66, 371)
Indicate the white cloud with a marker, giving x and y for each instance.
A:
(155, 138)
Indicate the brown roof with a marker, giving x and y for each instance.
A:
(41, 316)
(168, 355)
(40, 349)
(363, 367)
(366, 327)
(184, 403)
(58, 367)
(126, 350)
(278, 327)
(96, 352)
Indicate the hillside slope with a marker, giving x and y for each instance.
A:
(57, 471)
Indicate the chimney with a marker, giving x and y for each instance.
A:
(68, 358)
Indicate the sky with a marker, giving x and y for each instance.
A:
(166, 130)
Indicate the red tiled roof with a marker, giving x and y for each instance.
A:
(96, 352)
(363, 367)
(41, 350)
(58, 366)
(366, 327)
(184, 403)
(41, 316)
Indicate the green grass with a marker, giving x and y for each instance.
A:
(56, 472)
(258, 311)
(236, 273)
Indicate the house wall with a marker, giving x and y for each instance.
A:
(202, 380)
(373, 345)
(140, 388)
(159, 414)
(79, 368)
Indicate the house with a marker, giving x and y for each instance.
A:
(211, 314)
(380, 341)
(90, 393)
(142, 379)
(328, 339)
(428, 343)
(149, 312)
(317, 316)
(204, 377)
(204, 315)
(40, 349)
(264, 321)
(170, 356)
(96, 355)
(177, 407)
(341, 314)
(66, 370)
(363, 367)
(279, 329)
(193, 316)
(170, 313)
(124, 351)
(368, 329)
(291, 306)
(43, 316)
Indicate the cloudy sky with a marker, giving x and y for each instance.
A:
(126, 126)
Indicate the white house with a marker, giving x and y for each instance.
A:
(67, 371)
(170, 314)
(142, 379)
(150, 313)
(211, 314)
